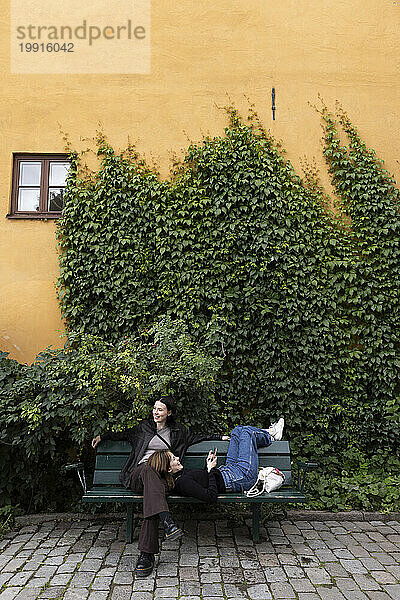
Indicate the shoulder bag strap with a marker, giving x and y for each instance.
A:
(165, 441)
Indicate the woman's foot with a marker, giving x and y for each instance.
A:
(172, 531)
(144, 565)
(276, 429)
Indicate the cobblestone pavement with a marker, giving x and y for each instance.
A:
(306, 560)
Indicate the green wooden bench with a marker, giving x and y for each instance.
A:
(111, 456)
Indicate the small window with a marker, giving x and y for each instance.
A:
(38, 187)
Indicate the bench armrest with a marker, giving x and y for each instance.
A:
(304, 467)
(80, 471)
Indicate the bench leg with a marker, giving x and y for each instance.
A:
(129, 523)
(256, 522)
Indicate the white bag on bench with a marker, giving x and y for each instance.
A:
(269, 479)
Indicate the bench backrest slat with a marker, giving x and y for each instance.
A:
(124, 448)
(114, 462)
(112, 478)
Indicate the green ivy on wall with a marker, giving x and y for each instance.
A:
(303, 301)
(305, 306)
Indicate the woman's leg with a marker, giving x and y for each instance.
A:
(148, 535)
(146, 481)
(241, 467)
(245, 440)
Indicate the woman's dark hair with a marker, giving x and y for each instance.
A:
(170, 404)
(160, 461)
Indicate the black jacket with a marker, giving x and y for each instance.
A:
(140, 436)
(199, 483)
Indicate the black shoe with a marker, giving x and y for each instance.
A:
(144, 565)
(173, 532)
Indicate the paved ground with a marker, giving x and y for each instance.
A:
(306, 560)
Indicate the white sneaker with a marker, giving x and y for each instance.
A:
(276, 429)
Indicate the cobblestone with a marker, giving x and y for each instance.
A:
(303, 560)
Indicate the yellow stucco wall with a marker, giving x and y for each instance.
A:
(201, 50)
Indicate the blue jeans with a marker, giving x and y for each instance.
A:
(240, 471)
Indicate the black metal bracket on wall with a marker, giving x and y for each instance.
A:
(273, 104)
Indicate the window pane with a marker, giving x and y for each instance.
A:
(56, 199)
(58, 173)
(28, 199)
(29, 173)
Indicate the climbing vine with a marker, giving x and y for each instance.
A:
(304, 301)
(371, 297)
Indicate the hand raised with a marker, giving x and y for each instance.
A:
(211, 461)
(96, 441)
